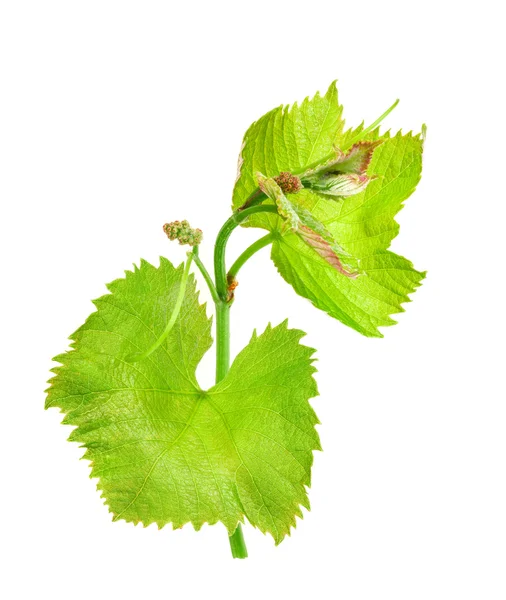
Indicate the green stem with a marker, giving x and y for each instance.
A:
(248, 253)
(205, 274)
(222, 339)
(237, 543)
(223, 304)
(175, 313)
(220, 270)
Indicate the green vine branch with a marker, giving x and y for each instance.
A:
(229, 442)
(220, 270)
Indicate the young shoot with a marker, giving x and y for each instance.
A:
(163, 449)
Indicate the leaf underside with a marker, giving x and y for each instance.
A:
(166, 451)
(295, 139)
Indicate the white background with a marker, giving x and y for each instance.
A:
(116, 117)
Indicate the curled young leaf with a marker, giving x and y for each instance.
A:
(301, 222)
(339, 185)
(356, 160)
(345, 174)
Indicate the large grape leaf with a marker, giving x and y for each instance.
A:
(166, 451)
(363, 225)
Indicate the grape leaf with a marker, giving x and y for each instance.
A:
(364, 303)
(363, 224)
(166, 451)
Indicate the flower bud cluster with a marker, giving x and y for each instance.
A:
(289, 184)
(181, 231)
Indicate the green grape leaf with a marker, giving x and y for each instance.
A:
(164, 450)
(364, 303)
(365, 223)
(362, 225)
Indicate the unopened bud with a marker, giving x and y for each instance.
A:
(181, 231)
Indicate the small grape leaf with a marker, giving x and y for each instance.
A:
(345, 173)
(355, 160)
(363, 224)
(166, 451)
